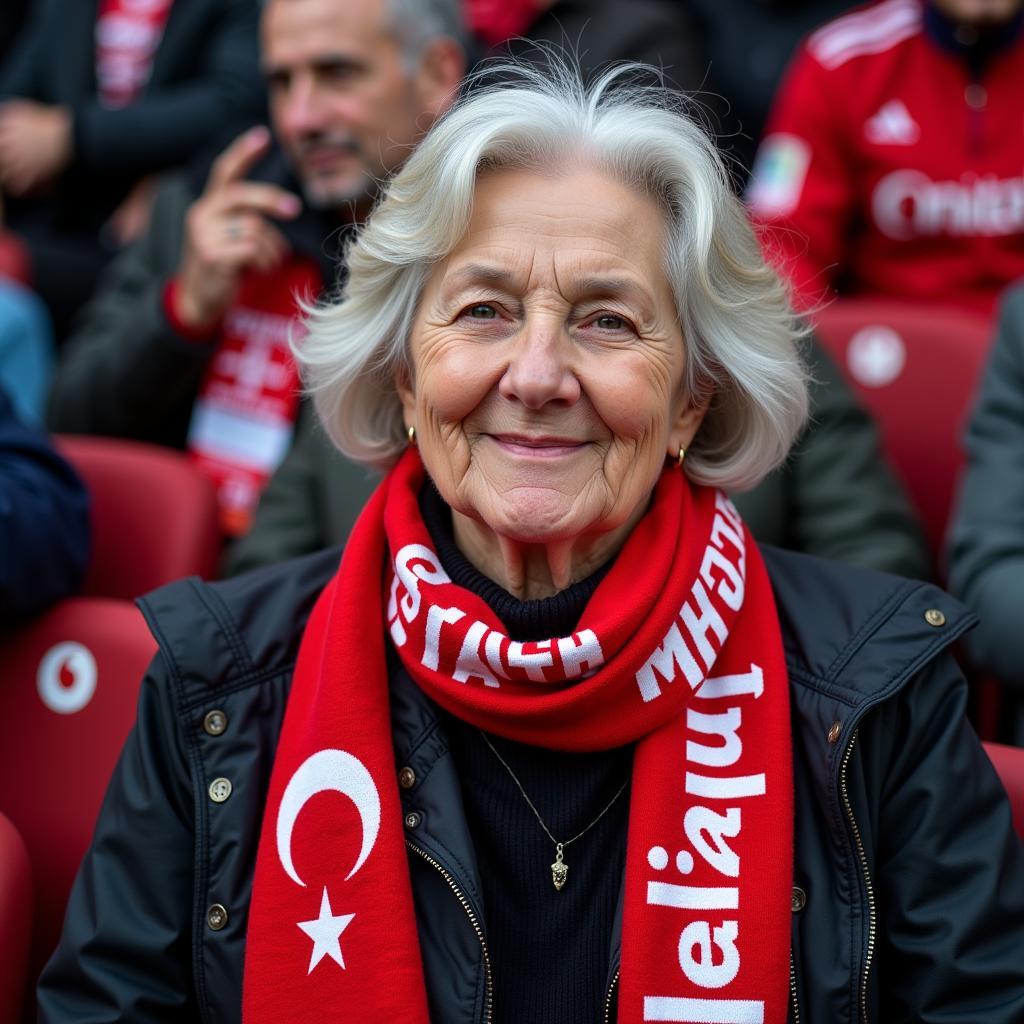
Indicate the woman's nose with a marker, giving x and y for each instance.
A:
(540, 370)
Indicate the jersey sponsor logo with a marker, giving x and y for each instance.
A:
(777, 180)
(892, 126)
(908, 204)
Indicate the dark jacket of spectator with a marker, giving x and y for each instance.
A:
(44, 520)
(835, 497)
(987, 537)
(205, 78)
(204, 86)
(876, 935)
(126, 372)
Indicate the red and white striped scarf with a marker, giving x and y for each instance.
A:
(678, 650)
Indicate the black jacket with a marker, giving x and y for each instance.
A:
(205, 85)
(44, 520)
(908, 882)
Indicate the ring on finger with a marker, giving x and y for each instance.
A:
(233, 229)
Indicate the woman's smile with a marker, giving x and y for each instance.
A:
(537, 447)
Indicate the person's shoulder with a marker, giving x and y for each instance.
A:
(243, 630)
(869, 30)
(855, 632)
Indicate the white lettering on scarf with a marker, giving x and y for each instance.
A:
(720, 583)
(708, 951)
(485, 654)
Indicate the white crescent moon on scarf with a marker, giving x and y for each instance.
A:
(324, 771)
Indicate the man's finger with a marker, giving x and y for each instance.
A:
(258, 197)
(238, 159)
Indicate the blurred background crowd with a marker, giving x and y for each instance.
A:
(177, 176)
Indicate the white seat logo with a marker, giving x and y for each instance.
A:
(66, 679)
(876, 356)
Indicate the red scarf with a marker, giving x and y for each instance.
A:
(705, 933)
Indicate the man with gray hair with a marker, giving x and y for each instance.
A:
(186, 342)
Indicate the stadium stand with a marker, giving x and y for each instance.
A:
(68, 701)
(154, 515)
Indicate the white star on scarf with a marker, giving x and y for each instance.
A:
(325, 932)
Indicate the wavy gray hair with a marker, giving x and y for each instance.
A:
(740, 331)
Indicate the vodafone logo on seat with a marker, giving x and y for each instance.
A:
(907, 204)
(66, 678)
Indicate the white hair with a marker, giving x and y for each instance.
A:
(739, 329)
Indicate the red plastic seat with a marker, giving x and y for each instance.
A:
(154, 515)
(1009, 763)
(70, 684)
(916, 369)
(15, 918)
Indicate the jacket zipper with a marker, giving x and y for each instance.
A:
(867, 880)
(488, 994)
(792, 988)
(608, 997)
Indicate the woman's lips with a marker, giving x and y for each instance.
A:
(537, 447)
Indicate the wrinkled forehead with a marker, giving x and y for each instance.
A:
(571, 230)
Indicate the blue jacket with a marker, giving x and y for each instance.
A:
(44, 520)
(908, 885)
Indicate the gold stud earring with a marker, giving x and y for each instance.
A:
(682, 455)
(411, 434)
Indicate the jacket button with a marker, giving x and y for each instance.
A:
(799, 899)
(215, 722)
(934, 617)
(217, 916)
(220, 790)
(412, 820)
(407, 778)
(833, 733)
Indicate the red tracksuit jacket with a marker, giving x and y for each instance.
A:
(891, 166)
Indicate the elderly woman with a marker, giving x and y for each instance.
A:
(601, 757)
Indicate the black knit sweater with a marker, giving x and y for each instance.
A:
(550, 951)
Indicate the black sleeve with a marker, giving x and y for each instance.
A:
(950, 871)
(19, 74)
(44, 519)
(125, 952)
(166, 126)
(987, 539)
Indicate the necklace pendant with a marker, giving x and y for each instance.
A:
(559, 870)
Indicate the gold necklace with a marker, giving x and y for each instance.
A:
(559, 870)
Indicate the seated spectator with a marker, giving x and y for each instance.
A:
(834, 497)
(44, 520)
(986, 550)
(893, 160)
(26, 350)
(95, 98)
(186, 342)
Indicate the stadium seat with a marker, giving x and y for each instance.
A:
(15, 918)
(71, 680)
(916, 369)
(154, 515)
(1009, 763)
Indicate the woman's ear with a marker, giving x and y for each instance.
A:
(688, 422)
(406, 394)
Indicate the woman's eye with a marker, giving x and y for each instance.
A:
(482, 311)
(610, 322)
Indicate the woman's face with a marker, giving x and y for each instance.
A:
(548, 361)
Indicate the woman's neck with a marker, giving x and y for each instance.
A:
(532, 572)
